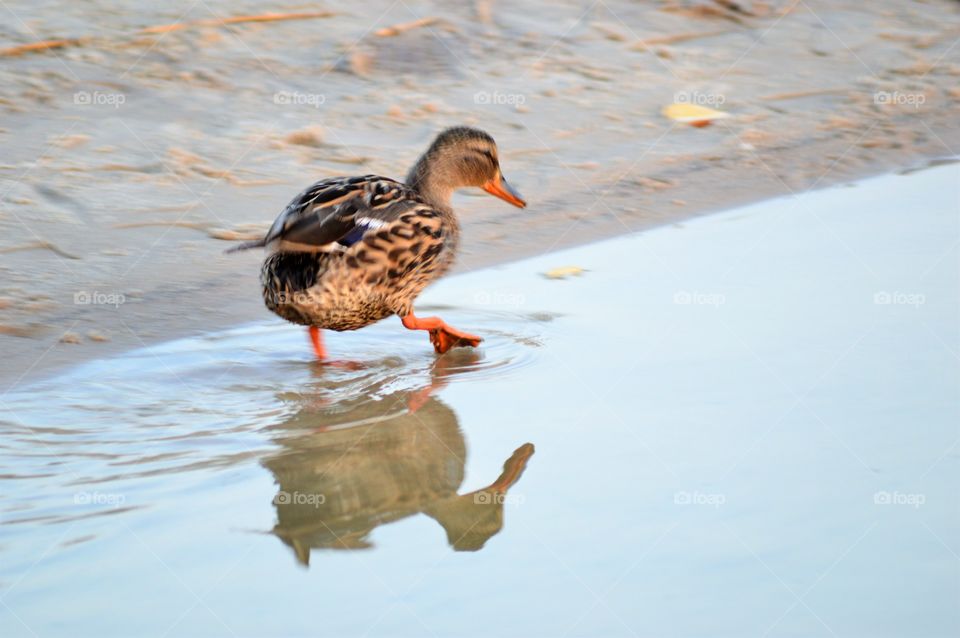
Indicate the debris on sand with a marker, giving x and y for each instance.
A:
(241, 232)
(70, 337)
(166, 223)
(216, 22)
(19, 331)
(563, 272)
(39, 245)
(693, 114)
(49, 45)
(676, 38)
(403, 27)
(310, 136)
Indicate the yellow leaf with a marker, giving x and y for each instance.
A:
(564, 272)
(693, 114)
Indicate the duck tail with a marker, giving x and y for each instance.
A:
(247, 245)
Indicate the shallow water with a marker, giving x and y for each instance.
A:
(746, 425)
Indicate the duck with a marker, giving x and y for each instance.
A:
(350, 251)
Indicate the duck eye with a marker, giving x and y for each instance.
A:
(489, 155)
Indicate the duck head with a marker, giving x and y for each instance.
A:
(458, 158)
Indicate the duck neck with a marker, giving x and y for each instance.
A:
(432, 185)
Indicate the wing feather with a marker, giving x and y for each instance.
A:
(338, 212)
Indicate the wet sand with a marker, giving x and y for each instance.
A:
(769, 426)
(130, 156)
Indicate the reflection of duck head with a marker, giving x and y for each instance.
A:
(471, 519)
(347, 468)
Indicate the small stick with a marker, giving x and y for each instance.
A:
(45, 245)
(45, 45)
(774, 97)
(48, 45)
(403, 27)
(194, 225)
(675, 38)
(263, 17)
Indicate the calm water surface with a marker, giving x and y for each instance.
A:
(747, 425)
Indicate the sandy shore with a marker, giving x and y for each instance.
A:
(131, 155)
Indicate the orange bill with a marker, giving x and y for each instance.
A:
(499, 187)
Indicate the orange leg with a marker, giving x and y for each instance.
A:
(442, 336)
(317, 340)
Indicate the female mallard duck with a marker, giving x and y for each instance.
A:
(349, 251)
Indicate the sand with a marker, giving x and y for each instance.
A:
(134, 154)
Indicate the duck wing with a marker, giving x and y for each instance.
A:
(336, 212)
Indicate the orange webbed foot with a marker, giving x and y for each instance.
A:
(445, 338)
(442, 336)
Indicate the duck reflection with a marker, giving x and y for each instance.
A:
(348, 468)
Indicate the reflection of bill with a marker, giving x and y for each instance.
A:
(378, 461)
(471, 519)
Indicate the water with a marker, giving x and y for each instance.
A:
(746, 425)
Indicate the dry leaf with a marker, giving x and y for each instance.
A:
(693, 114)
(563, 272)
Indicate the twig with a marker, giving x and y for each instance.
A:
(675, 38)
(792, 95)
(789, 8)
(48, 45)
(44, 245)
(180, 224)
(403, 27)
(45, 45)
(216, 22)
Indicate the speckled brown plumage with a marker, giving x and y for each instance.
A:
(379, 275)
(349, 251)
